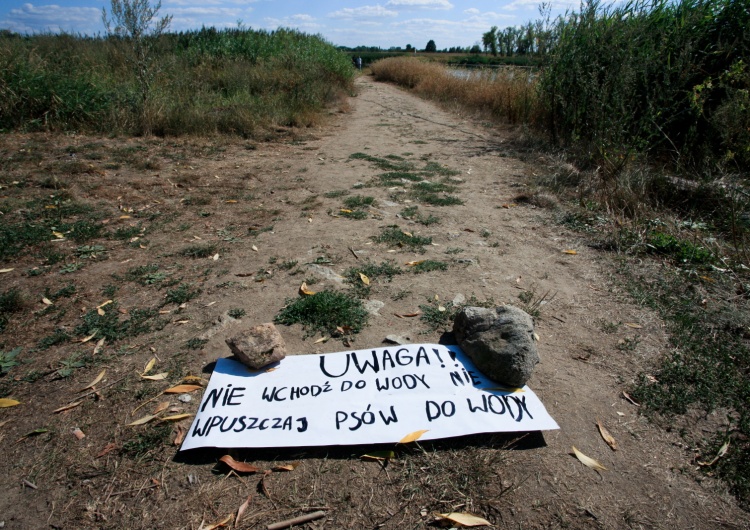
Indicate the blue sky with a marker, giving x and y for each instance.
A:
(386, 23)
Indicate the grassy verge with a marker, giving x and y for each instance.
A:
(233, 81)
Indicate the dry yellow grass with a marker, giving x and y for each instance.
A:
(509, 93)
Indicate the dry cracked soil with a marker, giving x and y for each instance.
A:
(232, 225)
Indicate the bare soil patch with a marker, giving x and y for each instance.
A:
(181, 233)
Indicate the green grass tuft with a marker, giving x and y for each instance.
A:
(394, 236)
(324, 312)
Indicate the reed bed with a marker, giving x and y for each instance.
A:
(508, 93)
(239, 81)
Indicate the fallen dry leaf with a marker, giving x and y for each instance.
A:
(321, 339)
(46, 301)
(99, 345)
(193, 380)
(95, 382)
(89, 337)
(67, 407)
(176, 417)
(364, 279)
(239, 467)
(255, 248)
(414, 263)
(571, 252)
(588, 461)
(220, 524)
(412, 437)
(182, 389)
(627, 396)
(611, 442)
(286, 467)
(231, 201)
(3, 271)
(6, 402)
(304, 291)
(180, 435)
(241, 511)
(111, 446)
(104, 304)
(408, 315)
(633, 325)
(722, 451)
(142, 421)
(149, 366)
(161, 407)
(156, 377)
(378, 456)
(262, 485)
(464, 519)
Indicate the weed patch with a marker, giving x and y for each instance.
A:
(181, 294)
(324, 312)
(708, 367)
(359, 201)
(429, 265)
(394, 236)
(198, 251)
(110, 326)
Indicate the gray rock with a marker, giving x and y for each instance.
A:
(373, 307)
(397, 339)
(325, 272)
(500, 341)
(258, 346)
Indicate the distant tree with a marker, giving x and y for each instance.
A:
(475, 49)
(136, 22)
(409, 48)
(431, 47)
(489, 40)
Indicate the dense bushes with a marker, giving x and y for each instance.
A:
(232, 81)
(661, 78)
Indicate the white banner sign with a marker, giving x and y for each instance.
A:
(359, 397)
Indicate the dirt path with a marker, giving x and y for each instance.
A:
(494, 247)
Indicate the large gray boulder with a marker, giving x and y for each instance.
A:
(499, 341)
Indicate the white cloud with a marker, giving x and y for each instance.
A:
(534, 4)
(30, 18)
(349, 13)
(472, 11)
(419, 4)
(300, 21)
(201, 3)
(204, 11)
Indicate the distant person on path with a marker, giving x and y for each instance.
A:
(358, 60)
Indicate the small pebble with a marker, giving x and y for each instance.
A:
(185, 398)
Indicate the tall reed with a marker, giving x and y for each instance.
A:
(235, 81)
(508, 93)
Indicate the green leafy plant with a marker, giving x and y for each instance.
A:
(236, 313)
(8, 360)
(181, 294)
